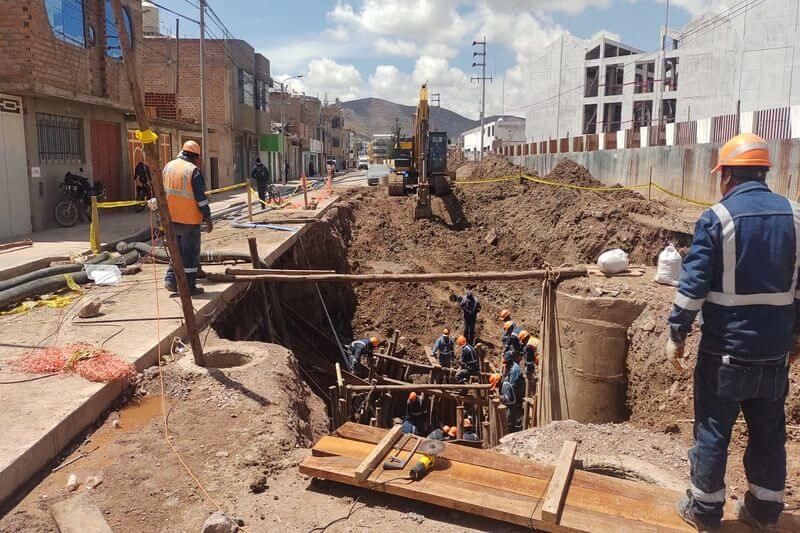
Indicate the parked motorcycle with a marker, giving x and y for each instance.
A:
(76, 200)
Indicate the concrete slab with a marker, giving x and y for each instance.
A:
(40, 416)
(79, 515)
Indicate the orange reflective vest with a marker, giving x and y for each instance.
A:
(183, 207)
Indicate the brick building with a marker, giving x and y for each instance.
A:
(302, 132)
(63, 104)
(237, 102)
(334, 135)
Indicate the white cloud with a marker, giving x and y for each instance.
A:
(326, 76)
(395, 47)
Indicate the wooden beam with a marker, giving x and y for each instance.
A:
(407, 362)
(288, 272)
(514, 275)
(378, 453)
(556, 492)
(152, 157)
(417, 387)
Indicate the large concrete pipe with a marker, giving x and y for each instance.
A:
(594, 349)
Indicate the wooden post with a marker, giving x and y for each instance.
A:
(393, 343)
(557, 488)
(492, 422)
(344, 416)
(304, 181)
(650, 185)
(333, 392)
(378, 416)
(260, 289)
(94, 233)
(460, 421)
(250, 207)
(502, 418)
(152, 157)
(486, 434)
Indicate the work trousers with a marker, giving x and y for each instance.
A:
(469, 328)
(189, 243)
(262, 186)
(722, 387)
(446, 359)
(462, 376)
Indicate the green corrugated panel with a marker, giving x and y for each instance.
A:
(272, 142)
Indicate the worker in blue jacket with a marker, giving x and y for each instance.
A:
(512, 391)
(444, 349)
(360, 349)
(470, 306)
(469, 361)
(741, 272)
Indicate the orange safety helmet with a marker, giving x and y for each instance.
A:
(494, 380)
(445, 332)
(523, 335)
(412, 397)
(453, 432)
(507, 325)
(374, 341)
(504, 314)
(744, 150)
(191, 147)
(461, 340)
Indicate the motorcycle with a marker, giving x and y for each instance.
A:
(76, 199)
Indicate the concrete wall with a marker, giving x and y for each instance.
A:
(683, 170)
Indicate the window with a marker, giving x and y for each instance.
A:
(645, 74)
(590, 118)
(671, 73)
(642, 113)
(113, 46)
(60, 139)
(337, 142)
(592, 81)
(668, 108)
(261, 96)
(614, 79)
(336, 123)
(246, 87)
(612, 117)
(66, 20)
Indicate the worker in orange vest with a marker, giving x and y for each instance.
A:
(188, 206)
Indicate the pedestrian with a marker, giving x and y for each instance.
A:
(445, 349)
(471, 307)
(286, 172)
(469, 361)
(359, 350)
(186, 197)
(260, 174)
(310, 168)
(512, 391)
(741, 273)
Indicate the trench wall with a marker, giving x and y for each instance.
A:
(682, 169)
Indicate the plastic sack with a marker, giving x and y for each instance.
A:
(613, 261)
(103, 274)
(669, 266)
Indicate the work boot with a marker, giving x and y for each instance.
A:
(201, 274)
(683, 509)
(196, 291)
(171, 287)
(743, 513)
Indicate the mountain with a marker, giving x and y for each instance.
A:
(368, 116)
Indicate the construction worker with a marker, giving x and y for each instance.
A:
(512, 391)
(741, 272)
(415, 421)
(471, 307)
(452, 434)
(360, 349)
(508, 328)
(530, 351)
(188, 206)
(505, 317)
(445, 349)
(469, 430)
(439, 434)
(469, 361)
(260, 174)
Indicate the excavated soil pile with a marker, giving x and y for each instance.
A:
(498, 226)
(492, 166)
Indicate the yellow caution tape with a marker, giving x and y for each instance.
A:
(146, 136)
(226, 189)
(490, 180)
(121, 203)
(689, 200)
(94, 242)
(586, 187)
(53, 301)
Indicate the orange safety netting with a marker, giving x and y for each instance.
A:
(94, 364)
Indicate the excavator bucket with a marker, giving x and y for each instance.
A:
(423, 208)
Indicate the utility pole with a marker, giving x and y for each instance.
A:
(660, 99)
(203, 125)
(177, 60)
(436, 98)
(482, 79)
(151, 155)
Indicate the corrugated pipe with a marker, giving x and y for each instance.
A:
(56, 282)
(160, 254)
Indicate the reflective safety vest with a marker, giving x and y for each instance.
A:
(180, 197)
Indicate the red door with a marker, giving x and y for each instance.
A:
(106, 157)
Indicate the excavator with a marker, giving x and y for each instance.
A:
(421, 161)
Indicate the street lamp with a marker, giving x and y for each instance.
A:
(283, 124)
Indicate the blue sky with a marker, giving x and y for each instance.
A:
(385, 48)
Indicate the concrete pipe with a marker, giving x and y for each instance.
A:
(594, 349)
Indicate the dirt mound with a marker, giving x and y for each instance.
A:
(497, 226)
(622, 450)
(492, 166)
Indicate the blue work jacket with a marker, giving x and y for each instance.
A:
(741, 272)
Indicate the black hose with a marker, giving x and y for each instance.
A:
(57, 282)
(39, 274)
(99, 258)
(160, 254)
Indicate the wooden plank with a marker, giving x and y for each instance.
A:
(378, 453)
(79, 515)
(559, 483)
